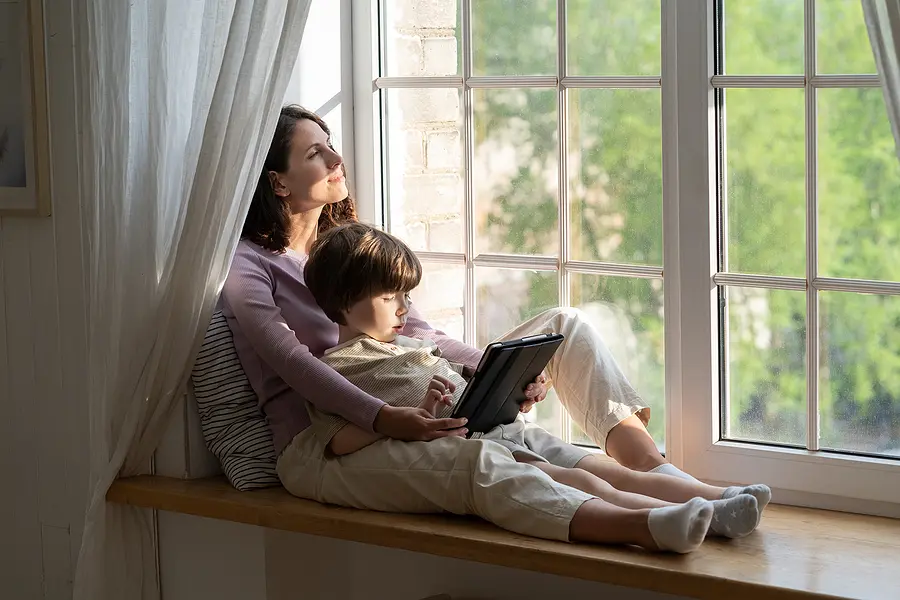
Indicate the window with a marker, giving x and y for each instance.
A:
(810, 217)
(805, 181)
(713, 183)
(523, 162)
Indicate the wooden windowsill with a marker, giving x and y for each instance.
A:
(796, 553)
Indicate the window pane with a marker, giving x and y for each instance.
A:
(859, 186)
(514, 37)
(842, 42)
(439, 297)
(549, 414)
(615, 172)
(425, 176)
(766, 346)
(505, 298)
(859, 395)
(628, 313)
(422, 38)
(763, 37)
(630, 32)
(765, 159)
(516, 172)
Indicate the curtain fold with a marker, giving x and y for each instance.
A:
(883, 24)
(177, 104)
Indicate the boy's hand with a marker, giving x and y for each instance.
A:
(418, 424)
(439, 393)
(535, 392)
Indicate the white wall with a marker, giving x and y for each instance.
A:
(207, 559)
(301, 566)
(43, 429)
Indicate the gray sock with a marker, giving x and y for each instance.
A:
(762, 493)
(680, 528)
(670, 469)
(734, 517)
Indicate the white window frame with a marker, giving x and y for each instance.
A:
(687, 81)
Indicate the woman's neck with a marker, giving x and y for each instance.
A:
(304, 230)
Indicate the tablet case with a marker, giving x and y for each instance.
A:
(494, 394)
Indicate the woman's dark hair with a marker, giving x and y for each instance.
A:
(268, 221)
(355, 261)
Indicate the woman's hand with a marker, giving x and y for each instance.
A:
(418, 424)
(535, 392)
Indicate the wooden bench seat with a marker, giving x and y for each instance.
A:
(797, 553)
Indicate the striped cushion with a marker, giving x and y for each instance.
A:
(233, 427)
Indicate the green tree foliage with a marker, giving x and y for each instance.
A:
(615, 190)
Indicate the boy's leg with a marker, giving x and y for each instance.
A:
(731, 518)
(482, 478)
(680, 528)
(445, 475)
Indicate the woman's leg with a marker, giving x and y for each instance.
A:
(563, 461)
(588, 482)
(656, 485)
(593, 388)
(595, 391)
(630, 444)
(668, 487)
(482, 478)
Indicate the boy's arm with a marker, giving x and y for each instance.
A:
(465, 371)
(351, 438)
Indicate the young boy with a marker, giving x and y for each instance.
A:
(361, 278)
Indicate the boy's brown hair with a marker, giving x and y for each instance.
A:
(352, 262)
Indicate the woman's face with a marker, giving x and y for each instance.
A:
(314, 176)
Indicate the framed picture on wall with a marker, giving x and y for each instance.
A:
(24, 130)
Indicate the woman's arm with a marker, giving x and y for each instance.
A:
(462, 353)
(451, 349)
(351, 438)
(248, 292)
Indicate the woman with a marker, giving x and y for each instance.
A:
(279, 332)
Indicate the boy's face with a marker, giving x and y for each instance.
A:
(381, 317)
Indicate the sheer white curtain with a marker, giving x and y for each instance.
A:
(178, 101)
(883, 23)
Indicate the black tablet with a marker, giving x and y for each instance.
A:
(494, 393)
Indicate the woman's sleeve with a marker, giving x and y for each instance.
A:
(451, 349)
(248, 291)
